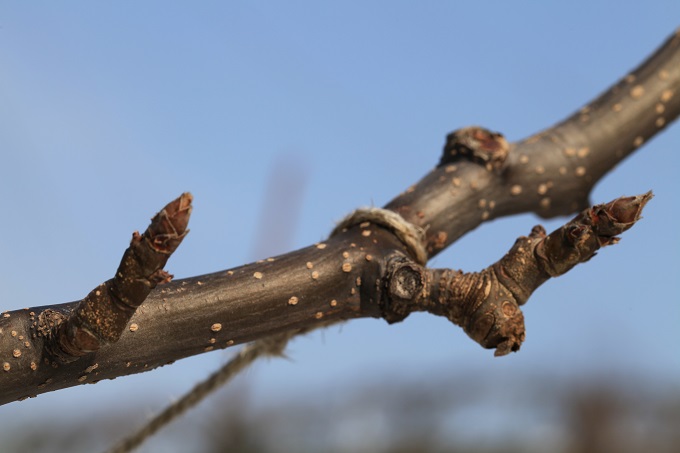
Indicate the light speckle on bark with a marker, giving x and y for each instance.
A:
(637, 91)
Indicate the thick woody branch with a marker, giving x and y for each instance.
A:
(486, 304)
(480, 177)
(325, 283)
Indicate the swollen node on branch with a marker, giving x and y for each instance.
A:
(486, 304)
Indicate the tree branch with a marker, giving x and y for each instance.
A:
(101, 317)
(350, 275)
(486, 304)
(550, 173)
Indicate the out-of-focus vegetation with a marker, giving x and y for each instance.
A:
(468, 414)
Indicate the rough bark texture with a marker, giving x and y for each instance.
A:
(486, 304)
(367, 271)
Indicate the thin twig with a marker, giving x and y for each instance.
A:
(265, 347)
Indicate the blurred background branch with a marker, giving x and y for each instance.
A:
(461, 412)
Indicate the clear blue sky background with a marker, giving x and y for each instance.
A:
(110, 110)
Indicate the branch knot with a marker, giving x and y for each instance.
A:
(478, 145)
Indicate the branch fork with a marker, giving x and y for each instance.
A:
(487, 304)
(367, 270)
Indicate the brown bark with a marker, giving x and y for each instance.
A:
(486, 304)
(356, 273)
(101, 317)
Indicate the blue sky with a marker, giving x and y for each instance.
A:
(110, 110)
